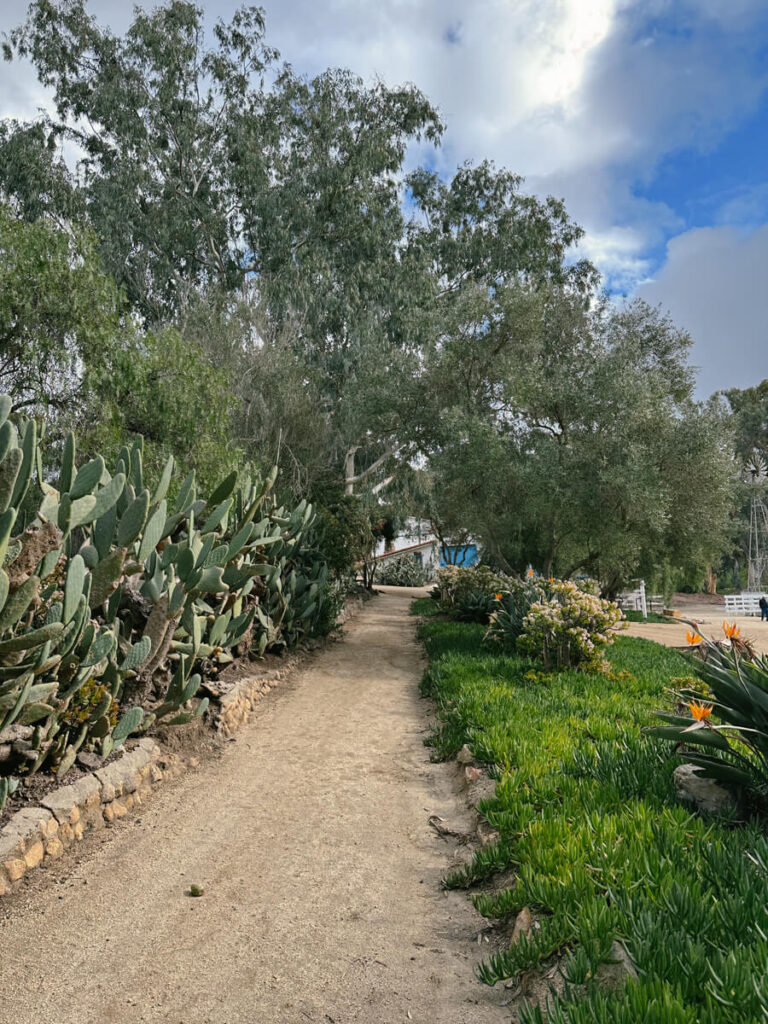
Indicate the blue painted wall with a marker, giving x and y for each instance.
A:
(468, 555)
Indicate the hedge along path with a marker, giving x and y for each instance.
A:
(322, 896)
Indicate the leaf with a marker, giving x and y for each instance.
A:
(66, 762)
(107, 496)
(216, 517)
(34, 638)
(29, 447)
(9, 471)
(186, 492)
(100, 648)
(88, 477)
(106, 577)
(137, 654)
(8, 438)
(165, 479)
(211, 581)
(153, 531)
(73, 587)
(34, 711)
(224, 489)
(18, 602)
(67, 474)
(129, 723)
(104, 531)
(82, 511)
(132, 520)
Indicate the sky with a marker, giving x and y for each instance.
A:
(648, 117)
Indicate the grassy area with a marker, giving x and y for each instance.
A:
(631, 616)
(599, 847)
(425, 607)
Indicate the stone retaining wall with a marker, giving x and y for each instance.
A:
(35, 835)
(236, 706)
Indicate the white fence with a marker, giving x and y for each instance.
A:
(638, 601)
(634, 600)
(745, 603)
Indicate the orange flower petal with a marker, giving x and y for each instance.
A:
(700, 711)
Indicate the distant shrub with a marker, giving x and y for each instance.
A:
(468, 591)
(402, 571)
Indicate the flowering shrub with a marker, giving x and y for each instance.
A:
(457, 585)
(564, 624)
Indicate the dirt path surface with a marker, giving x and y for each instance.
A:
(322, 900)
(710, 619)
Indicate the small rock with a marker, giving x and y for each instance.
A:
(15, 869)
(464, 756)
(34, 855)
(523, 925)
(54, 849)
(89, 760)
(706, 794)
(615, 971)
(196, 890)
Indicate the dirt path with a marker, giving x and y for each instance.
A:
(321, 875)
(710, 619)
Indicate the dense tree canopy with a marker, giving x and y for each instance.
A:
(265, 278)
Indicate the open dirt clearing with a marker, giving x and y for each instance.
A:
(709, 614)
(322, 899)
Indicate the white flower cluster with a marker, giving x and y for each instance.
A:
(569, 628)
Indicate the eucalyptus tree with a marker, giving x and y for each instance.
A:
(216, 169)
(59, 312)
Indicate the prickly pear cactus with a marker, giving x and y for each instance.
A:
(112, 601)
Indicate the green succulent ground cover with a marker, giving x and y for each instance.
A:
(595, 842)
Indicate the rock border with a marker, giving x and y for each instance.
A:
(35, 836)
(38, 835)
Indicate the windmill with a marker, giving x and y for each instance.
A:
(755, 474)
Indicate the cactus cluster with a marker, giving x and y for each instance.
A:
(112, 600)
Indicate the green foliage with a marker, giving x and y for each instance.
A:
(162, 387)
(403, 571)
(610, 468)
(343, 532)
(8, 786)
(600, 849)
(57, 309)
(456, 584)
(110, 597)
(652, 617)
(425, 607)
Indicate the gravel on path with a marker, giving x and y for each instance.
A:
(321, 876)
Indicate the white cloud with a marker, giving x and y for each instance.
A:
(713, 283)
